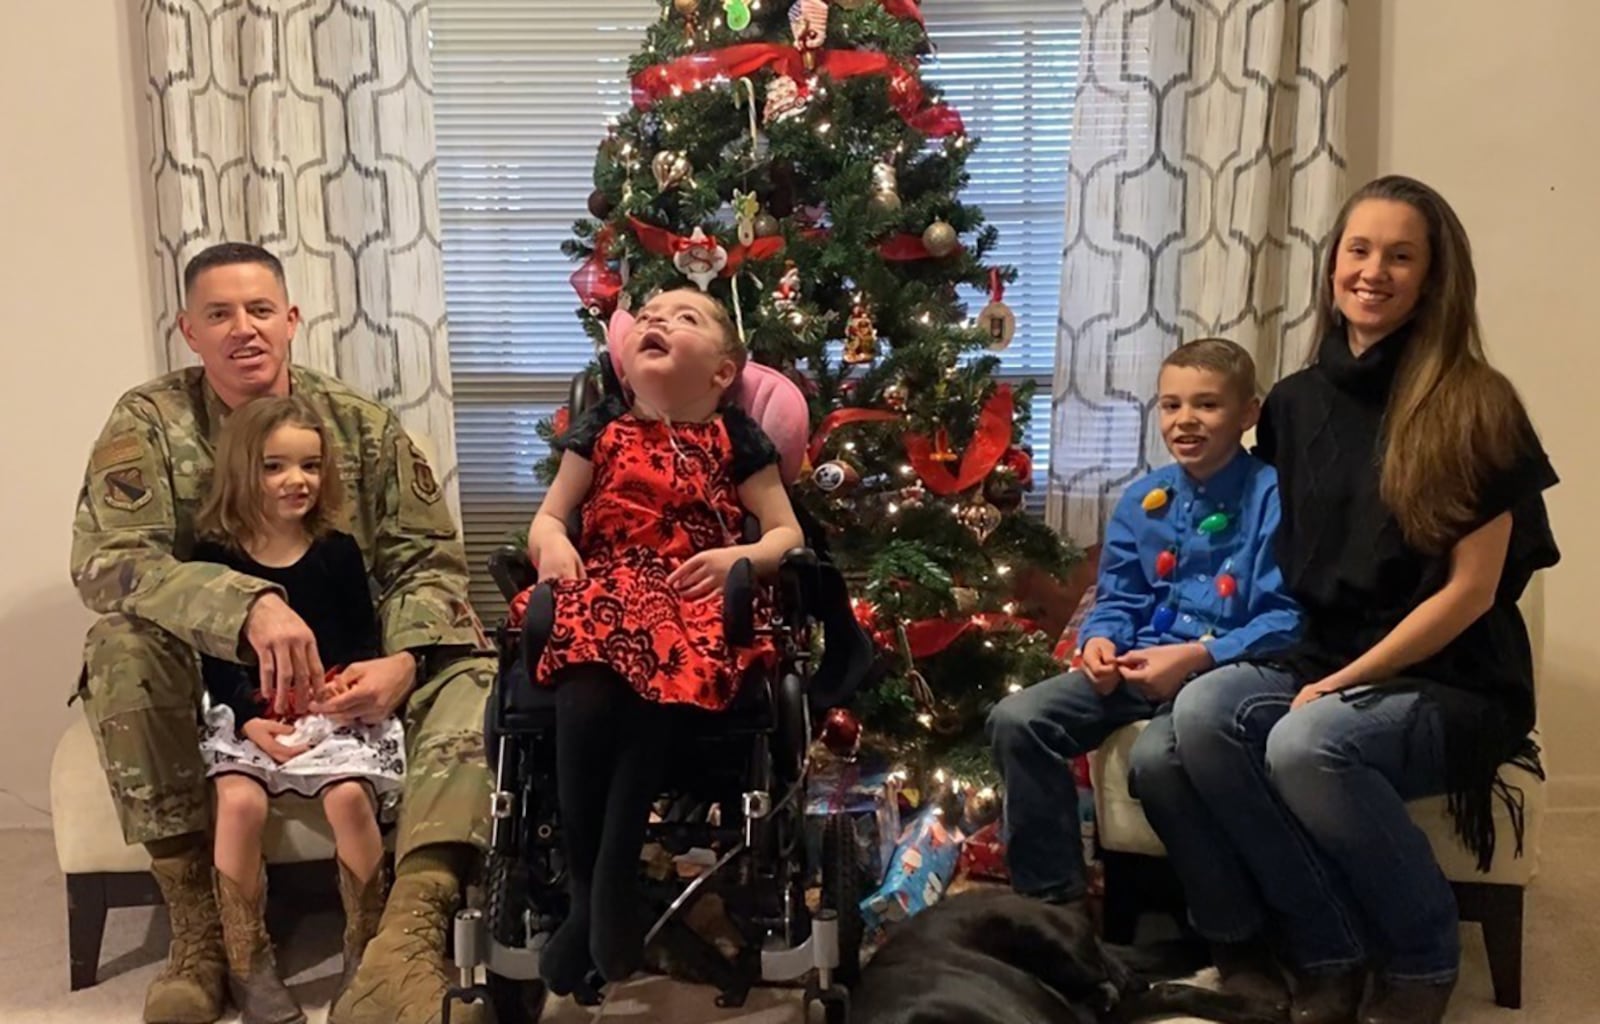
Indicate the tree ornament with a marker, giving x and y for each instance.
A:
(836, 477)
(997, 320)
(808, 23)
(687, 8)
(981, 808)
(941, 447)
(1215, 523)
(786, 297)
(896, 395)
(885, 197)
(966, 600)
(786, 98)
(600, 205)
(597, 284)
(1227, 586)
(940, 239)
(1166, 564)
(980, 517)
(1156, 500)
(1003, 489)
(671, 169)
(861, 337)
(746, 208)
(1163, 619)
(913, 496)
(841, 732)
(701, 258)
(767, 225)
(738, 14)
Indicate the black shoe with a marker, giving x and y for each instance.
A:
(1327, 998)
(1249, 970)
(1407, 1002)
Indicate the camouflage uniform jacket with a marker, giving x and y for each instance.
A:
(151, 469)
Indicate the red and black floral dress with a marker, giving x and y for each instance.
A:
(651, 507)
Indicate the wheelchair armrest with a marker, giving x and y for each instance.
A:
(511, 571)
(797, 586)
(739, 604)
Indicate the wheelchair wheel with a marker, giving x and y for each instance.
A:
(507, 899)
(841, 893)
(514, 1001)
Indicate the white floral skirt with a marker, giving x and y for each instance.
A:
(375, 754)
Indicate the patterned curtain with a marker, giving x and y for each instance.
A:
(1207, 167)
(307, 127)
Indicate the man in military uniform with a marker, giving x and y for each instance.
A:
(132, 536)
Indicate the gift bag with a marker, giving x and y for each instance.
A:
(983, 856)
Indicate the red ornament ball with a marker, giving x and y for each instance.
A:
(841, 732)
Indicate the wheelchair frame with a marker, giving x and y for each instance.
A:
(762, 834)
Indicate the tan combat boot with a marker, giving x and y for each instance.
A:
(363, 906)
(404, 974)
(189, 989)
(253, 980)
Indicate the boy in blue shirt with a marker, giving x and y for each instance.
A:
(1188, 582)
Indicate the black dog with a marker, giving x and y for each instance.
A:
(994, 957)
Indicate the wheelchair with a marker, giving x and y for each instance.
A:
(735, 786)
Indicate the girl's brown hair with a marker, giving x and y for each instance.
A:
(1452, 419)
(234, 511)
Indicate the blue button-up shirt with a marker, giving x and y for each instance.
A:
(1259, 619)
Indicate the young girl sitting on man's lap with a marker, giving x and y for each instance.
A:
(663, 484)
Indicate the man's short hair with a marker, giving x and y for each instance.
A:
(1221, 356)
(227, 254)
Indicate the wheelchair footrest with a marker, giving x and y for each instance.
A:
(820, 952)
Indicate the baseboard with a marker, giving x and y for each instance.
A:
(1573, 793)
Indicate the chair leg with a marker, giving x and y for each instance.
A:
(1502, 937)
(1122, 905)
(86, 927)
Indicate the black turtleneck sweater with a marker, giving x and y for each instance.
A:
(1345, 559)
(1342, 551)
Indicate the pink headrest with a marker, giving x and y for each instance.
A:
(774, 401)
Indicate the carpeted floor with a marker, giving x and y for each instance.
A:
(1563, 947)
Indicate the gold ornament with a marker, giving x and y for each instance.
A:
(767, 225)
(687, 8)
(885, 188)
(966, 599)
(671, 169)
(980, 517)
(940, 239)
(999, 323)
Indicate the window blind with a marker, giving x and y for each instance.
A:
(522, 91)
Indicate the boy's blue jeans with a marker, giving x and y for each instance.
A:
(1293, 822)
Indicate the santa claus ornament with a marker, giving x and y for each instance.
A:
(701, 258)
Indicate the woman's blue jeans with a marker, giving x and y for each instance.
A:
(1296, 822)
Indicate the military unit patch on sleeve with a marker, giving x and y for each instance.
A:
(125, 488)
(423, 483)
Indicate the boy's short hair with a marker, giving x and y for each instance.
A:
(1221, 356)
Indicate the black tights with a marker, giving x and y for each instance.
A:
(610, 743)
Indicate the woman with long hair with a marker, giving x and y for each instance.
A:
(1413, 518)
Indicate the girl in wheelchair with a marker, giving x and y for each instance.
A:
(662, 484)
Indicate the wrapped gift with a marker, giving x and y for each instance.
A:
(868, 797)
(983, 855)
(923, 865)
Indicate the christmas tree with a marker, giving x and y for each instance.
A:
(791, 159)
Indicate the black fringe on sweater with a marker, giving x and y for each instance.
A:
(1479, 737)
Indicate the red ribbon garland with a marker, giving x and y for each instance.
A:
(931, 636)
(905, 9)
(844, 417)
(997, 286)
(988, 445)
(697, 69)
(906, 248)
(664, 242)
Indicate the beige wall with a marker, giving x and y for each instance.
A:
(76, 313)
(1495, 104)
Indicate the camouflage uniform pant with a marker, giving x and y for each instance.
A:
(142, 692)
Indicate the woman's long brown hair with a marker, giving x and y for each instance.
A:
(1452, 419)
(234, 511)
